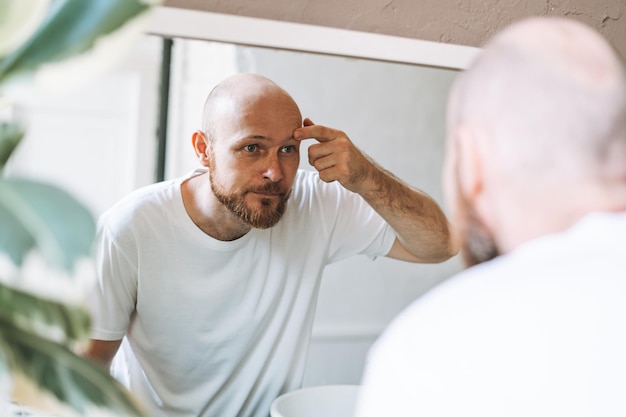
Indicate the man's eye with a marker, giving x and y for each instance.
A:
(250, 148)
(288, 149)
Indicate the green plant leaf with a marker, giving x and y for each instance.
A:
(46, 318)
(10, 136)
(73, 380)
(18, 21)
(42, 216)
(70, 28)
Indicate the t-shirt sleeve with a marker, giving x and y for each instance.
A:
(356, 229)
(113, 298)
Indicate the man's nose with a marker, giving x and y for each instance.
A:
(273, 170)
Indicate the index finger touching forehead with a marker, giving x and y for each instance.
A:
(319, 132)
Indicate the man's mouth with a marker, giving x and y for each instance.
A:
(264, 194)
(269, 191)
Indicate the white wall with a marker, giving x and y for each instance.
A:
(99, 141)
(394, 112)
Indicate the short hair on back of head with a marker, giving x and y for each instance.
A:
(542, 107)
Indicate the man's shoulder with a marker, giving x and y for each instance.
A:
(147, 199)
(306, 179)
(146, 195)
(581, 265)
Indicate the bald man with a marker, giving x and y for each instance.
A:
(535, 180)
(211, 279)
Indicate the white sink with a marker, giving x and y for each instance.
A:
(323, 400)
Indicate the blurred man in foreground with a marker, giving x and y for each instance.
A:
(535, 182)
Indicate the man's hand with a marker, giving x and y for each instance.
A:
(422, 230)
(335, 157)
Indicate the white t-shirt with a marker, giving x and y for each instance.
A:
(540, 332)
(220, 328)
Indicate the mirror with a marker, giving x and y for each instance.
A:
(388, 94)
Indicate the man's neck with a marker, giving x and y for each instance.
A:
(207, 213)
(557, 212)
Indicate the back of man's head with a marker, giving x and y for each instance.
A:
(541, 117)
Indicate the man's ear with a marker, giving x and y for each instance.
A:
(469, 164)
(201, 145)
(473, 167)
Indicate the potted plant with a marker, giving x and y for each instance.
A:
(46, 235)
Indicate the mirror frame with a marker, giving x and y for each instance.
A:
(171, 22)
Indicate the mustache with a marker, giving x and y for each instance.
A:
(269, 188)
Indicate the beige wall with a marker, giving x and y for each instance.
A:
(464, 22)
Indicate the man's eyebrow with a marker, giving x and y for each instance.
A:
(265, 138)
(250, 138)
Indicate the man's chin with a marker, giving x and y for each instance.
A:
(263, 221)
(263, 214)
(478, 249)
(263, 204)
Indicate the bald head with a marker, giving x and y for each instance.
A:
(548, 97)
(240, 93)
(536, 136)
(251, 156)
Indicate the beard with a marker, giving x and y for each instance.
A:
(477, 243)
(262, 218)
